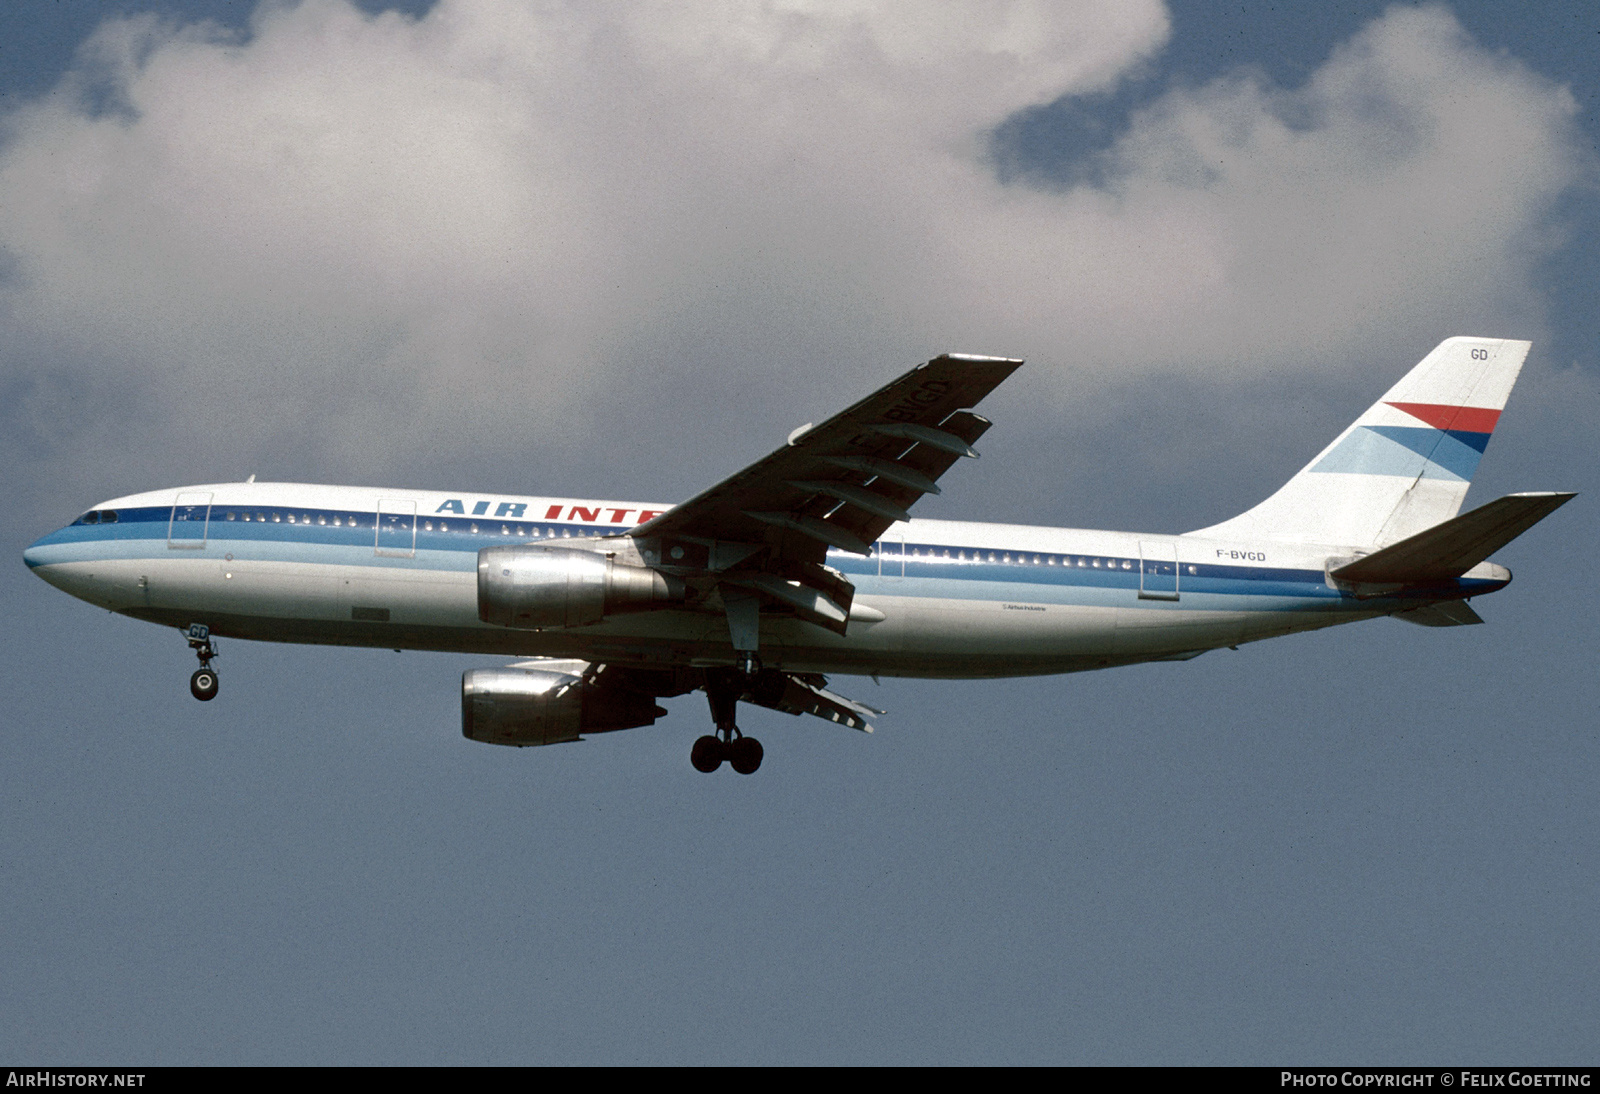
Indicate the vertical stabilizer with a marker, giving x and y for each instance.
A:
(1405, 464)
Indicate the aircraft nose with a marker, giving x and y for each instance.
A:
(44, 551)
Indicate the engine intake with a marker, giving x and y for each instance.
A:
(537, 587)
(537, 706)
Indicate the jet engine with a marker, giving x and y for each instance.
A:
(537, 587)
(545, 703)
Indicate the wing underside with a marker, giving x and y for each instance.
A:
(760, 537)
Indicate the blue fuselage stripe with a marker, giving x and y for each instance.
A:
(342, 537)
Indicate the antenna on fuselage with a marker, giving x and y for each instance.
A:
(252, 477)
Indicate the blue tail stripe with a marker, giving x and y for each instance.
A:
(1406, 451)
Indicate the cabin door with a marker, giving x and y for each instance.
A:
(397, 529)
(1158, 570)
(891, 552)
(191, 515)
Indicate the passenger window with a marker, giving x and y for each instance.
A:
(230, 514)
(291, 518)
(443, 527)
(504, 531)
(474, 527)
(427, 526)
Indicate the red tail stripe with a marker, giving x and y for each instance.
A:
(1466, 419)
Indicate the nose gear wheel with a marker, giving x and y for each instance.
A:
(203, 685)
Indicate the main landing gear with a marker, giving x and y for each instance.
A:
(203, 684)
(723, 688)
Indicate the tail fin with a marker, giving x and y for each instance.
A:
(1405, 464)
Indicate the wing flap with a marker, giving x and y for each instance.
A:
(794, 694)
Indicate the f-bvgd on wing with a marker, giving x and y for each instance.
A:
(761, 535)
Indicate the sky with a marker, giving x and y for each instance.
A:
(621, 250)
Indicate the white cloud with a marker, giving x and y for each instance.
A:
(498, 214)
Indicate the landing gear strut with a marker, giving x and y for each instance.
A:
(203, 684)
(723, 688)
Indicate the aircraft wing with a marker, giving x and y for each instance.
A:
(843, 482)
(766, 530)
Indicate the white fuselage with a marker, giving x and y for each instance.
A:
(398, 569)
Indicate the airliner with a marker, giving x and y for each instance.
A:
(808, 563)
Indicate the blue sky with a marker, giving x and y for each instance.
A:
(621, 253)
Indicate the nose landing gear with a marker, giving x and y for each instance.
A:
(203, 684)
(723, 688)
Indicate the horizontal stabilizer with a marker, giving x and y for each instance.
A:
(1447, 613)
(1448, 550)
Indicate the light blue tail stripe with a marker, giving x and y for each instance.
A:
(1403, 451)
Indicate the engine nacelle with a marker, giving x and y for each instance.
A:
(544, 706)
(537, 587)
